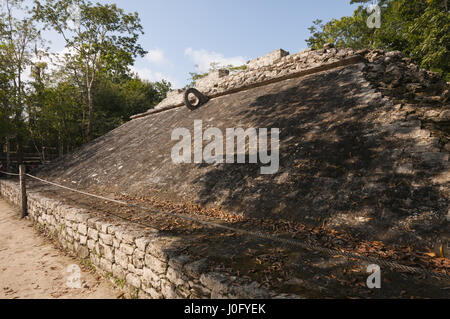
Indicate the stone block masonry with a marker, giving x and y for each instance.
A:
(267, 59)
(279, 65)
(211, 79)
(145, 263)
(274, 65)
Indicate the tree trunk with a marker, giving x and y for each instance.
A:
(8, 155)
(61, 146)
(19, 150)
(90, 116)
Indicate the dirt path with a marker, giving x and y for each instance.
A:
(31, 267)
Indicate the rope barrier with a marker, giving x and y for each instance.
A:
(328, 251)
(10, 174)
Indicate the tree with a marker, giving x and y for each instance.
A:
(100, 36)
(420, 29)
(18, 36)
(116, 100)
(56, 106)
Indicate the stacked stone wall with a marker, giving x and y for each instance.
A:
(145, 263)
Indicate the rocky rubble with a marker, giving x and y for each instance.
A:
(420, 94)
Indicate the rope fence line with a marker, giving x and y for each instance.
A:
(10, 174)
(328, 251)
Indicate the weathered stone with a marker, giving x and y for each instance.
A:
(154, 294)
(434, 158)
(445, 115)
(116, 243)
(83, 240)
(92, 222)
(183, 292)
(82, 229)
(83, 252)
(210, 80)
(95, 259)
(177, 262)
(252, 290)
(394, 54)
(126, 236)
(215, 281)
(93, 233)
(133, 280)
(176, 277)
(168, 289)
(267, 59)
(69, 232)
(80, 216)
(155, 264)
(198, 291)
(106, 239)
(127, 249)
(106, 265)
(91, 244)
(134, 270)
(141, 243)
(118, 271)
(121, 259)
(150, 278)
(447, 147)
(104, 228)
(139, 259)
(405, 169)
(164, 247)
(196, 268)
(107, 252)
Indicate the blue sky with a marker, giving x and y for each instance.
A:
(180, 34)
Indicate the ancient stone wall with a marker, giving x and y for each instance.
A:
(274, 65)
(279, 64)
(144, 262)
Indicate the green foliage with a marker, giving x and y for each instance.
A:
(91, 92)
(18, 34)
(117, 101)
(101, 38)
(419, 28)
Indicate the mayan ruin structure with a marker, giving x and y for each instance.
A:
(364, 160)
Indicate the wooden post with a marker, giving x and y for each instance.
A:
(8, 157)
(23, 190)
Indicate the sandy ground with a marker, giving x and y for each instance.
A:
(31, 267)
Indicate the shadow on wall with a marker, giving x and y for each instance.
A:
(341, 160)
(347, 158)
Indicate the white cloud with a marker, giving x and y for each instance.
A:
(156, 56)
(149, 75)
(203, 59)
(54, 61)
